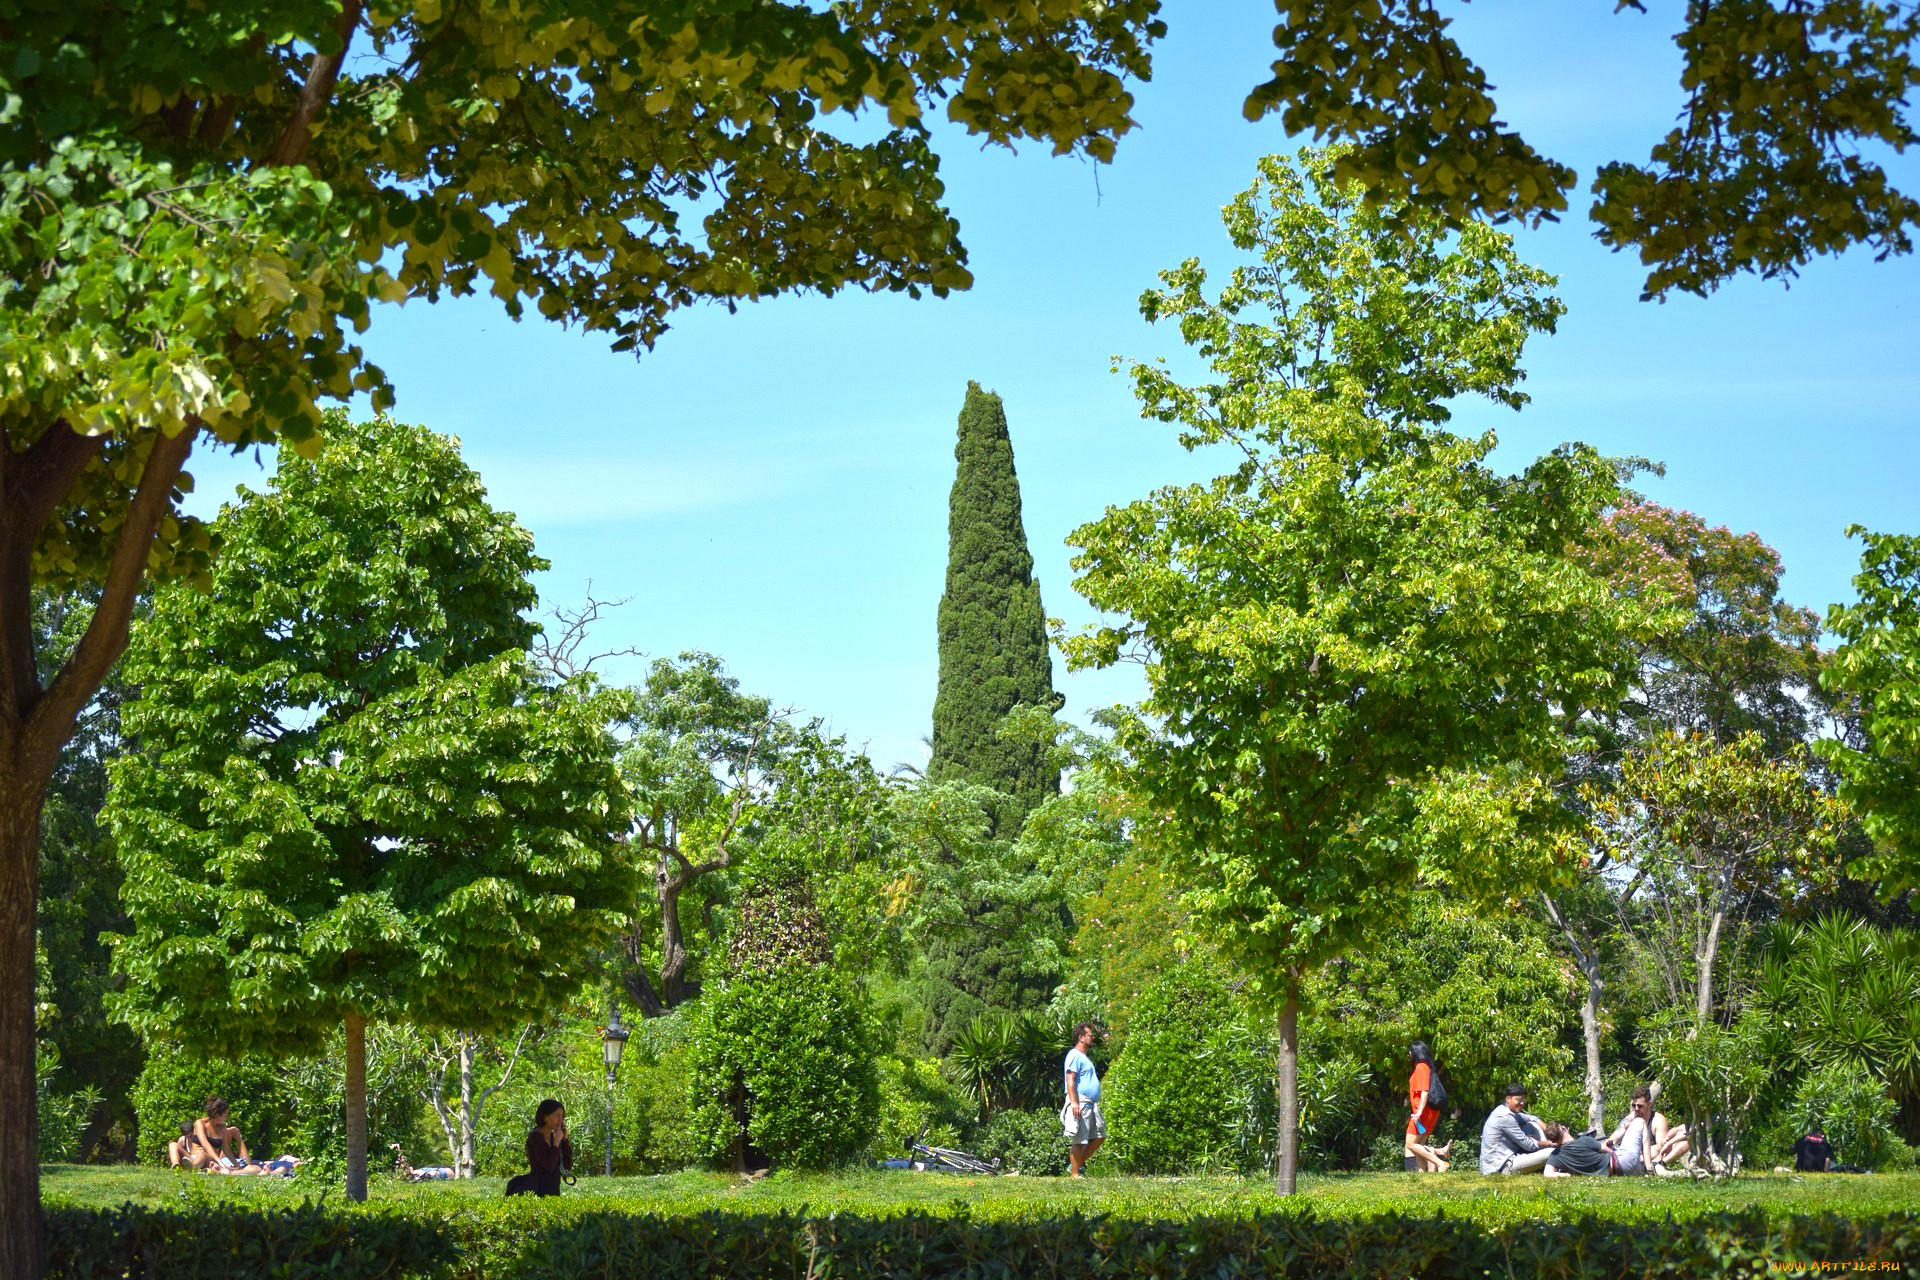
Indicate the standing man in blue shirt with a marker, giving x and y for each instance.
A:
(1080, 1117)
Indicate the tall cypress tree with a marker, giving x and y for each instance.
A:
(993, 657)
(993, 630)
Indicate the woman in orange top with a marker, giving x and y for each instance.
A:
(1421, 1156)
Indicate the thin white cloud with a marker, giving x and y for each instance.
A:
(549, 491)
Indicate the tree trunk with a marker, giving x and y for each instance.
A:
(35, 724)
(1703, 967)
(463, 1163)
(1287, 1084)
(1590, 1033)
(1586, 957)
(20, 1242)
(356, 1108)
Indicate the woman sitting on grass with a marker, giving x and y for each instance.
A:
(222, 1141)
(549, 1153)
(185, 1151)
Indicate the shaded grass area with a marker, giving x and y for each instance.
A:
(885, 1194)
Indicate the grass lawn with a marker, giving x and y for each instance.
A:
(879, 1194)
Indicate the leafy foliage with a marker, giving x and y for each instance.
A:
(1849, 1105)
(1362, 633)
(1842, 996)
(1028, 1142)
(1877, 665)
(1169, 1096)
(782, 1060)
(1764, 170)
(1484, 991)
(1714, 1077)
(1009, 1062)
(1520, 1233)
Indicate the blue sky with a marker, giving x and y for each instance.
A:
(771, 486)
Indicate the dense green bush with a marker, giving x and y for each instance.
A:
(1168, 1097)
(176, 1083)
(531, 1241)
(783, 1060)
(1031, 1142)
(1850, 1105)
(916, 1097)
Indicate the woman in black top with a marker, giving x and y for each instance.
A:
(549, 1152)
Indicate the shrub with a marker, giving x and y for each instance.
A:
(176, 1082)
(1713, 1078)
(1029, 1141)
(782, 1061)
(1850, 1105)
(1167, 1097)
(916, 1097)
(63, 1117)
(518, 1241)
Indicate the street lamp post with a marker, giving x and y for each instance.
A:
(613, 1042)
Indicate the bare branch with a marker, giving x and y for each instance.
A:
(560, 653)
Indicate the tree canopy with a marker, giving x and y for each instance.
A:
(1362, 632)
(1877, 667)
(352, 801)
(1782, 110)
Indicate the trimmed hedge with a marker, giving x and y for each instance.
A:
(543, 1242)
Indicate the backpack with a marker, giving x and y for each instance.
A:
(1436, 1091)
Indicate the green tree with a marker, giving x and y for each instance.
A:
(993, 659)
(997, 911)
(196, 215)
(1877, 669)
(1781, 108)
(1711, 842)
(731, 792)
(1359, 641)
(1729, 658)
(993, 629)
(1168, 1094)
(352, 801)
(782, 1054)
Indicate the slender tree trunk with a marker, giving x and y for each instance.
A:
(1703, 967)
(356, 1108)
(20, 1242)
(1590, 1033)
(1287, 1084)
(463, 1166)
(1587, 958)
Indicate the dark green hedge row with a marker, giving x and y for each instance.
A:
(532, 1242)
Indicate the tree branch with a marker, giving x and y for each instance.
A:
(53, 718)
(323, 71)
(33, 482)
